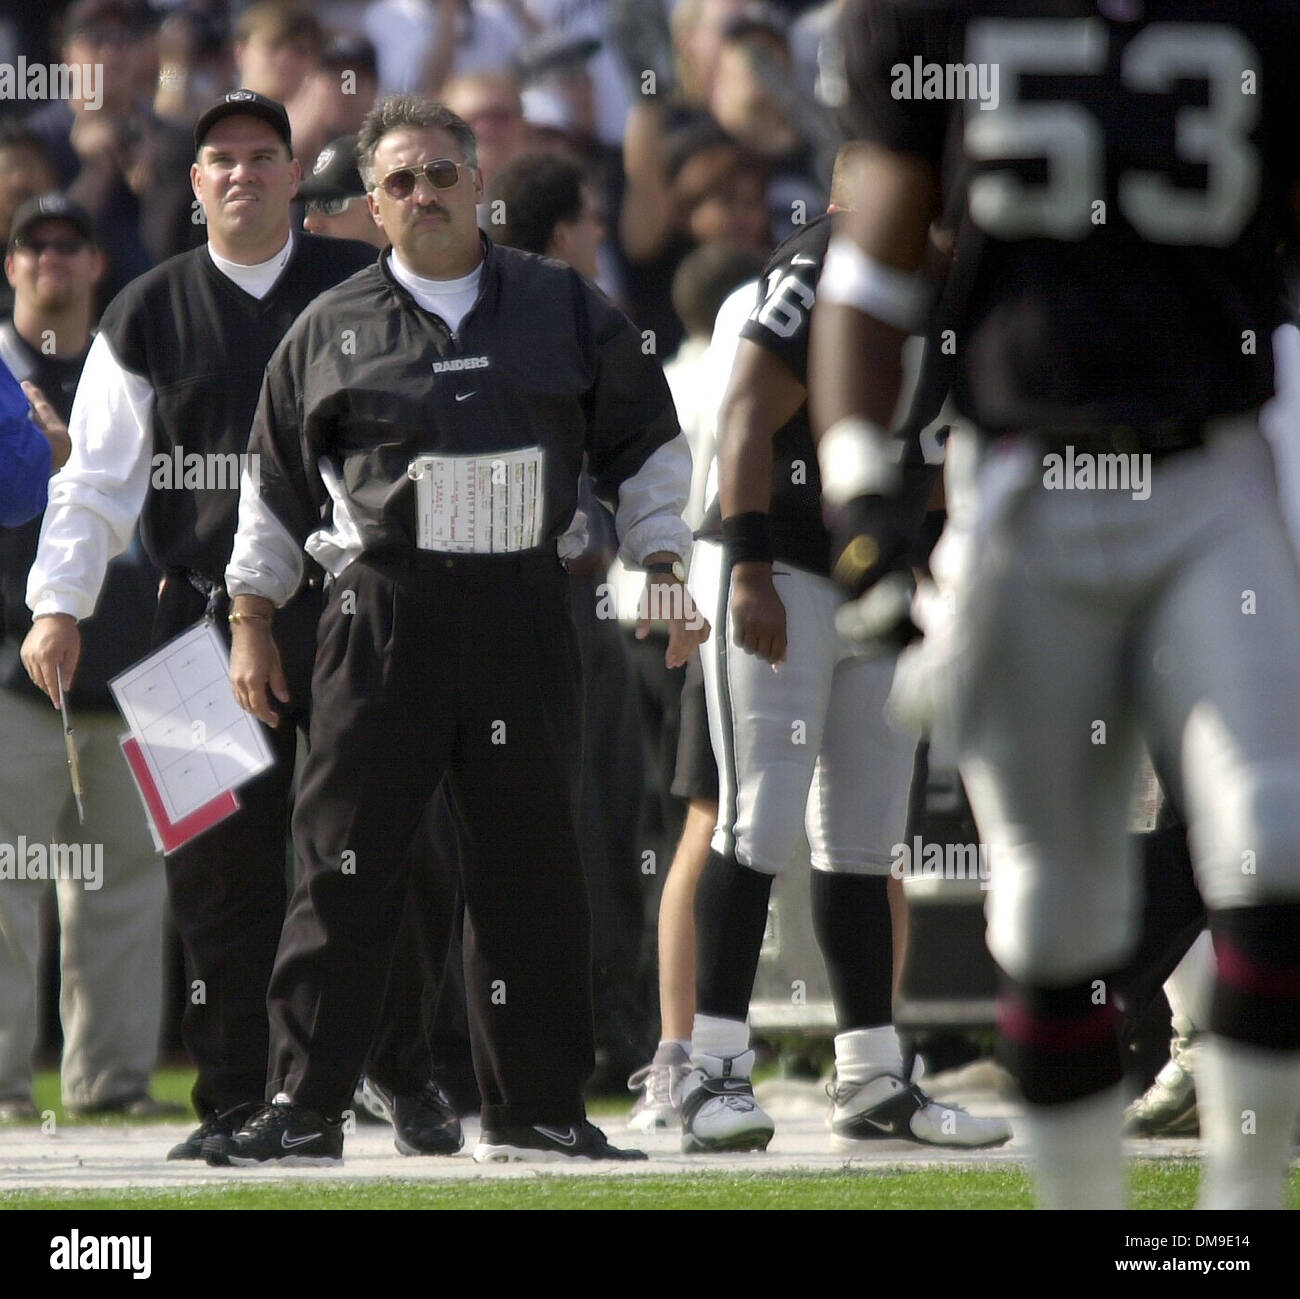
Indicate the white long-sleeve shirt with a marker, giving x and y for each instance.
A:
(96, 498)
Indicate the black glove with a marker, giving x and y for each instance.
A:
(876, 544)
(871, 536)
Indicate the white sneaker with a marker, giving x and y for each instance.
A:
(658, 1108)
(888, 1107)
(718, 1108)
(1168, 1107)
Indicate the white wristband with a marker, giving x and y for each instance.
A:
(852, 278)
(858, 458)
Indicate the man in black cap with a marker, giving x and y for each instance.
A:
(51, 221)
(176, 370)
(335, 196)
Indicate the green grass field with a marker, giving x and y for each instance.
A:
(1156, 1184)
(1169, 1184)
(167, 1085)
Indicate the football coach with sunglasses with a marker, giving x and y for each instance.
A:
(420, 431)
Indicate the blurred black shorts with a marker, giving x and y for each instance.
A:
(696, 776)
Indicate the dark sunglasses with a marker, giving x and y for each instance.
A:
(330, 207)
(66, 246)
(441, 173)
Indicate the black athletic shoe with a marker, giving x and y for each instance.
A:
(281, 1132)
(542, 1144)
(215, 1126)
(424, 1122)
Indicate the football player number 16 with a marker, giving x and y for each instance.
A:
(788, 298)
(1072, 141)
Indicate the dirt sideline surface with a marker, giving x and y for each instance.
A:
(93, 1157)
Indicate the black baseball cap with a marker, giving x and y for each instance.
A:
(244, 103)
(49, 207)
(334, 173)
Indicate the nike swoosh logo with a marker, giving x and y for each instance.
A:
(875, 1123)
(566, 1138)
(800, 260)
(288, 1142)
(460, 396)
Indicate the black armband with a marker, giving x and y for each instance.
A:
(747, 538)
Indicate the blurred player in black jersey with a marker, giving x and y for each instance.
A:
(796, 713)
(1115, 565)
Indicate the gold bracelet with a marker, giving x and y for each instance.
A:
(243, 616)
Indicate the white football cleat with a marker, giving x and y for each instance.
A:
(718, 1108)
(1168, 1107)
(890, 1108)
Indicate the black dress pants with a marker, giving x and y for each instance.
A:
(429, 666)
(403, 1054)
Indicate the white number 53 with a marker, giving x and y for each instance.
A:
(1072, 141)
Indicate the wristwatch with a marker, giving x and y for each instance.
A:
(676, 569)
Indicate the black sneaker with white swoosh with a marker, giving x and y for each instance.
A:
(282, 1133)
(548, 1143)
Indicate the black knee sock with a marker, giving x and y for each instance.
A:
(1060, 1044)
(1172, 917)
(1257, 989)
(730, 917)
(854, 929)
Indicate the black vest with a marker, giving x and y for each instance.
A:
(203, 344)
